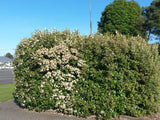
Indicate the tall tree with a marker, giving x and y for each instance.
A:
(9, 55)
(121, 16)
(152, 15)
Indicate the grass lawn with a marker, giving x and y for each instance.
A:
(6, 92)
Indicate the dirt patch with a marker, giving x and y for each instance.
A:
(155, 116)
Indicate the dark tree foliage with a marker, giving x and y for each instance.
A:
(152, 15)
(141, 26)
(9, 55)
(121, 16)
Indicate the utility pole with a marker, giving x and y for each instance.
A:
(90, 20)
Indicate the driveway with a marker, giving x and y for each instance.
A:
(6, 76)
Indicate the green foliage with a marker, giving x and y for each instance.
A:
(152, 15)
(141, 26)
(97, 75)
(46, 69)
(122, 77)
(120, 16)
(9, 55)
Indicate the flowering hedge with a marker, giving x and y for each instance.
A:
(97, 75)
(46, 69)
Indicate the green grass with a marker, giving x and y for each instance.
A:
(6, 92)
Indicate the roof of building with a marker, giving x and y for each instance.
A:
(5, 59)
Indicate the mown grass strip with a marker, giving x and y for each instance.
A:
(6, 92)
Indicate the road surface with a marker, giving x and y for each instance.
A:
(11, 111)
(6, 76)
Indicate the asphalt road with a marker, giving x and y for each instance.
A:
(11, 111)
(6, 76)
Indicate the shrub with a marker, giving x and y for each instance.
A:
(97, 75)
(46, 69)
(122, 77)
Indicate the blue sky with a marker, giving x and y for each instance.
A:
(20, 18)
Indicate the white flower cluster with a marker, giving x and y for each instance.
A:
(54, 62)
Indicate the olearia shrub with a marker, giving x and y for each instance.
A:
(100, 75)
